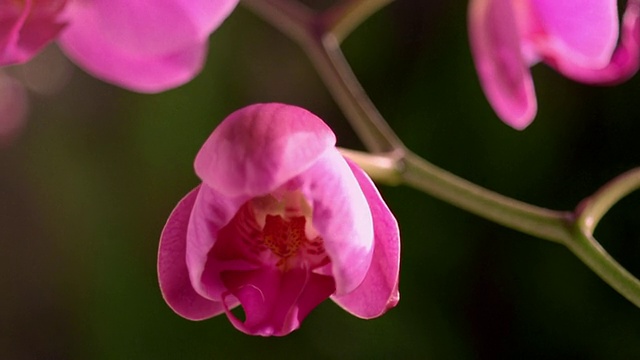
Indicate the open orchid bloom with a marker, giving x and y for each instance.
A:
(579, 38)
(280, 222)
(143, 45)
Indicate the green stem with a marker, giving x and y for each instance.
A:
(383, 167)
(346, 17)
(588, 214)
(323, 48)
(542, 223)
(593, 208)
(291, 18)
(373, 130)
(572, 229)
(412, 170)
(591, 253)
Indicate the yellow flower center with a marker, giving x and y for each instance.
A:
(282, 237)
(279, 231)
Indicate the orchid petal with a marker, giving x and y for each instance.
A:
(275, 302)
(236, 255)
(503, 72)
(25, 29)
(230, 252)
(258, 148)
(172, 268)
(624, 61)
(212, 211)
(341, 216)
(379, 290)
(146, 46)
(584, 32)
(208, 15)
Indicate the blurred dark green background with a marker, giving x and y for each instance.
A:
(88, 186)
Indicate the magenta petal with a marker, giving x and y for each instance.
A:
(504, 73)
(584, 32)
(275, 302)
(230, 252)
(26, 29)
(379, 290)
(624, 62)
(172, 268)
(207, 14)
(212, 211)
(258, 148)
(147, 46)
(341, 216)
(137, 73)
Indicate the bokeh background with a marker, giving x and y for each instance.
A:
(86, 187)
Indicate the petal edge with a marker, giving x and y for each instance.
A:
(173, 275)
(379, 290)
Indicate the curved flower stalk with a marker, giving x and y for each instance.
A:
(572, 229)
(576, 37)
(280, 222)
(145, 46)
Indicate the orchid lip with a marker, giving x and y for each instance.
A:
(280, 232)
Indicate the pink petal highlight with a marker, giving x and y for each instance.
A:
(624, 62)
(275, 302)
(503, 72)
(577, 38)
(260, 147)
(172, 267)
(212, 211)
(342, 217)
(146, 46)
(379, 290)
(26, 28)
(207, 14)
(582, 31)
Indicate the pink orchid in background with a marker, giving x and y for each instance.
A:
(280, 223)
(13, 109)
(576, 37)
(143, 45)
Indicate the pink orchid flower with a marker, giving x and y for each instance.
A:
(143, 45)
(280, 222)
(576, 37)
